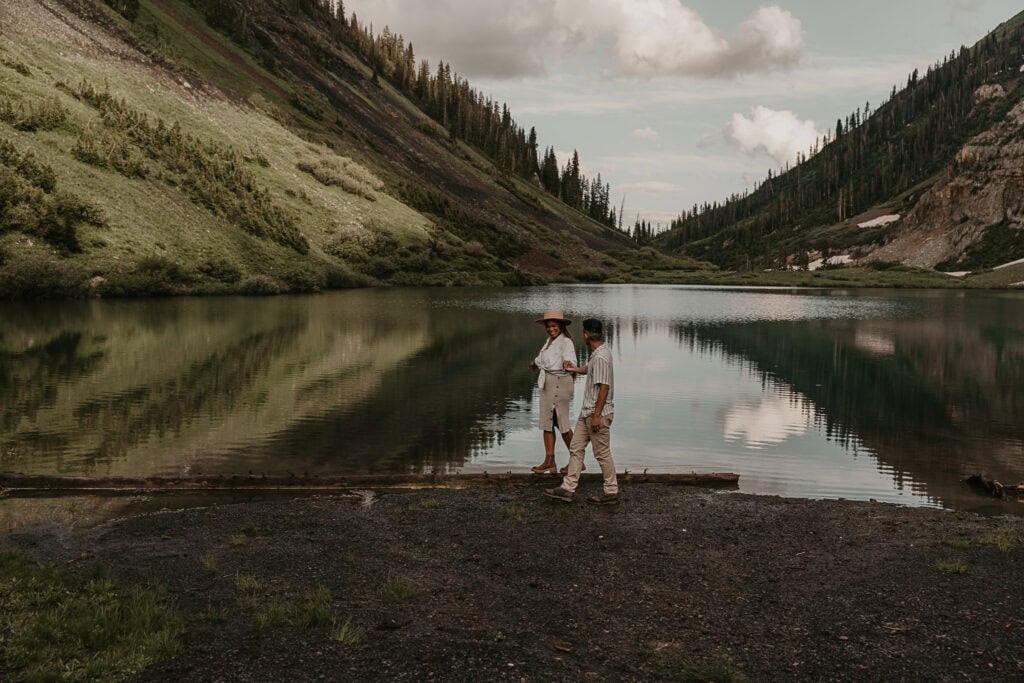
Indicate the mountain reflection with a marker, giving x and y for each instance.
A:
(930, 400)
(366, 381)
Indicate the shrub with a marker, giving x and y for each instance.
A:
(38, 274)
(45, 114)
(221, 270)
(259, 285)
(214, 176)
(105, 151)
(344, 173)
(301, 277)
(151, 276)
(20, 67)
(29, 204)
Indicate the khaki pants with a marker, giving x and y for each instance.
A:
(601, 439)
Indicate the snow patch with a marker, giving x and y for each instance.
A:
(880, 221)
(1017, 284)
(841, 259)
(1011, 263)
(959, 273)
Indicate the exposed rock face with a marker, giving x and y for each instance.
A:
(984, 186)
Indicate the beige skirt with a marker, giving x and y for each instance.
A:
(554, 402)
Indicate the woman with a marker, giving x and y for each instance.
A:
(556, 385)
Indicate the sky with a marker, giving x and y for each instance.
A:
(681, 102)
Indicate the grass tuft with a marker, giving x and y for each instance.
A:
(1004, 539)
(397, 589)
(58, 626)
(210, 563)
(247, 583)
(427, 504)
(348, 633)
(514, 512)
(950, 567)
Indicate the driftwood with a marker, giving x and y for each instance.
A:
(990, 487)
(44, 485)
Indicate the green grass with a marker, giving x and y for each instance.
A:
(58, 626)
(247, 583)
(397, 589)
(210, 563)
(314, 609)
(513, 512)
(425, 504)
(348, 633)
(951, 567)
(1004, 539)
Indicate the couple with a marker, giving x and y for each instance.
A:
(557, 365)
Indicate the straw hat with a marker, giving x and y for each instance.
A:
(553, 315)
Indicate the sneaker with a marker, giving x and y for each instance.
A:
(604, 499)
(558, 493)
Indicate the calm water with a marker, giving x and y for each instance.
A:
(856, 394)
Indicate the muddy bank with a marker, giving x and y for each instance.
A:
(500, 583)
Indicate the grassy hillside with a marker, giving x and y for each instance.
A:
(157, 156)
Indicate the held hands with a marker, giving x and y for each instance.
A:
(570, 366)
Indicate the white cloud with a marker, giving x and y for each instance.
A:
(641, 38)
(780, 134)
(662, 37)
(645, 134)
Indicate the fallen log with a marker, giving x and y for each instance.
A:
(990, 487)
(44, 485)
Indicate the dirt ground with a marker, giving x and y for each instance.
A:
(500, 583)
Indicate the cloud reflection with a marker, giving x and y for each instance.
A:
(770, 422)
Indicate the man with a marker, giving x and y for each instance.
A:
(595, 421)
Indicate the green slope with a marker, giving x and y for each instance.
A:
(157, 155)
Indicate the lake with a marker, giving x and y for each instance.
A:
(867, 394)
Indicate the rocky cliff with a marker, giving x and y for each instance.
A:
(981, 193)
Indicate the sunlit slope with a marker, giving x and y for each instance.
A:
(157, 157)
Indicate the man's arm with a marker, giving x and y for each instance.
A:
(602, 396)
(572, 367)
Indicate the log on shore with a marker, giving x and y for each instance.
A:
(44, 485)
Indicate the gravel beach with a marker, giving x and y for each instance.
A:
(500, 583)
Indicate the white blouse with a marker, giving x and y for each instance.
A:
(551, 356)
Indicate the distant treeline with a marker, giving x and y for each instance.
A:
(870, 157)
(465, 113)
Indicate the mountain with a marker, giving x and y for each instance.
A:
(152, 147)
(930, 178)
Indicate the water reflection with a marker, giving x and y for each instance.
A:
(771, 421)
(858, 394)
(930, 400)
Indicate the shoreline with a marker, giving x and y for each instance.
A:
(498, 583)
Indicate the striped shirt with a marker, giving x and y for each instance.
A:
(599, 371)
